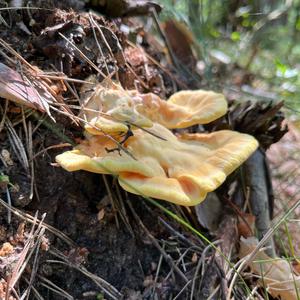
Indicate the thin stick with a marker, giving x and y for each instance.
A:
(84, 56)
(111, 197)
(30, 219)
(156, 244)
(49, 148)
(97, 42)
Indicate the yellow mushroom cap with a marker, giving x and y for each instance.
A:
(111, 109)
(184, 108)
(180, 169)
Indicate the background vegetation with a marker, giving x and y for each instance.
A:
(261, 37)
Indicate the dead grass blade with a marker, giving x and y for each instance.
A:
(84, 56)
(54, 288)
(249, 258)
(32, 220)
(17, 145)
(168, 259)
(32, 244)
(101, 283)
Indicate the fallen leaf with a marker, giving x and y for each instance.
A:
(20, 89)
(276, 274)
(246, 225)
(6, 249)
(181, 40)
(5, 155)
(101, 214)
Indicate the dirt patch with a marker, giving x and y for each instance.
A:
(122, 254)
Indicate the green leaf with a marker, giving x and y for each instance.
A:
(281, 67)
(4, 179)
(298, 24)
(235, 36)
(100, 296)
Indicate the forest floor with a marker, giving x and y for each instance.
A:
(102, 243)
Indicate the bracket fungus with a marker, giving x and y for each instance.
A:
(109, 108)
(179, 168)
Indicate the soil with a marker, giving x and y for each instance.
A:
(122, 255)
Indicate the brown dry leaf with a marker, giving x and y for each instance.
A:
(20, 89)
(194, 257)
(6, 249)
(19, 237)
(296, 267)
(101, 214)
(279, 280)
(181, 40)
(45, 244)
(246, 225)
(135, 56)
(78, 255)
(5, 155)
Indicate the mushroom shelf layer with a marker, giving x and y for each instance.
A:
(111, 109)
(181, 168)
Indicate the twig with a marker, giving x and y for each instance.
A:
(107, 135)
(111, 197)
(2, 123)
(30, 159)
(9, 204)
(157, 271)
(122, 210)
(31, 244)
(49, 148)
(156, 244)
(56, 289)
(85, 57)
(32, 220)
(182, 290)
(103, 284)
(97, 42)
(178, 234)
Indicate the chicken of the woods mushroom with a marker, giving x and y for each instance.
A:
(152, 161)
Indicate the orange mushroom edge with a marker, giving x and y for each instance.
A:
(180, 168)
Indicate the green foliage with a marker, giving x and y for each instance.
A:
(100, 296)
(235, 36)
(4, 178)
(4, 181)
(262, 37)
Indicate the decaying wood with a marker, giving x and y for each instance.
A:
(256, 179)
